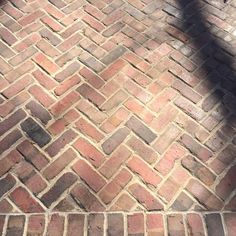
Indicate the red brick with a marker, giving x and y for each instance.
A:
(148, 200)
(175, 225)
(112, 189)
(30, 18)
(115, 161)
(146, 172)
(67, 137)
(55, 27)
(115, 224)
(45, 80)
(204, 196)
(56, 225)
(65, 103)
(214, 224)
(197, 149)
(45, 63)
(87, 200)
(91, 94)
(75, 225)
(59, 164)
(230, 223)
(11, 121)
(22, 69)
(32, 154)
(93, 79)
(174, 152)
(15, 225)
(7, 36)
(96, 224)
(36, 184)
(6, 183)
(25, 202)
(95, 115)
(90, 176)
(135, 224)
(5, 207)
(41, 95)
(195, 224)
(89, 130)
(227, 184)
(36, 225)
(155, 224)
(67, 84)
(9, 140)
(88, 151)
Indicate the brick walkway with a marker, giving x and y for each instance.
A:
(117, 117)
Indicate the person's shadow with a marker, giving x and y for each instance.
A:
(202, 32)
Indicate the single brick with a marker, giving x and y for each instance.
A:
(61, 185)
(113, 55)
(6, 184)
(115, 140)
(39, 112)
(25, 202)
(35, 132)
(90, 176)
(141, 130)
(214, 224)
(115, 224)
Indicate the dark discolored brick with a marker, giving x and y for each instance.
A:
(6, 184)
(214, 225)
(35, 132)
(141, 130)
(63, 183)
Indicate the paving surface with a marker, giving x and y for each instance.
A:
(117, 117)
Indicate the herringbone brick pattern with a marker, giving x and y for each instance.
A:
(117, 117)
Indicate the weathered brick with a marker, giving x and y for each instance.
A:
(15, 225)
(75, 225)
(67, 137)
(141, 130)
(32, 154)
(115, 140)
(115, 224)
(35, 132)
(6, 184)
(39, 112)
(135, 224)
(9, 140)
(147, 174)
(56, 225)
(87, 150)
(86, 199)
(175, 225)
(214, 224)
(24, 201)
(36, 225)
(59, 164)
(61, 185)
(149, 201)
(95, 225)
(90, 176)
(91, 94)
